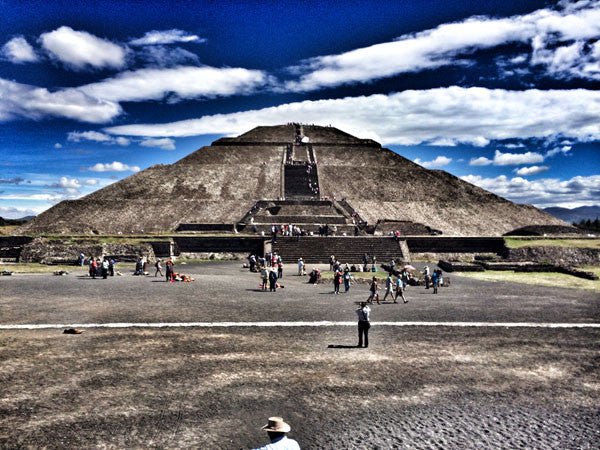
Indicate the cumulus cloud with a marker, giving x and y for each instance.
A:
(550, 32)
(544, 192)
(558, 150)
(32, 102)
(115, 166)
(533, 170)
(90, 181)
(180, 83)
(437, 162)
(122, 141)
(166, 37)
(18, 51)
(75, 136)
(481, 161)
(80, 49)
(467, 115)
(58, 145)
(515, 159)
(66, 183)
(164, 143)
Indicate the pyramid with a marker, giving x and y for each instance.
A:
(303, 174)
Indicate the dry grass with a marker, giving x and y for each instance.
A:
(579, 243)
(537, 278)
(8, 230)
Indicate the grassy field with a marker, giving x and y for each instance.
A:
(45, 268)
(581, 243)
(538, 278)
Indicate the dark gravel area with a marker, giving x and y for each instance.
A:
(414, 387)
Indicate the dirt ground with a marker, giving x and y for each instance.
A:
(213, 387)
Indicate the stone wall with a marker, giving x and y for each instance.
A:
(559, 256)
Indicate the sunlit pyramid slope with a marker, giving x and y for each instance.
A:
(300, 170)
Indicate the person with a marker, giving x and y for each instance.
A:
(301, 270)
(365, 259)
(331, 262)
(92, 263)
(264, 276)
(276, 429)
(404, 276)
(81, 259)
(427, 277)
(158, 266)
(373, 289)
(139, 267)
(346, 277)
(272, 280)
(279, 268)
(363, 324)
(315, 274)
(389, 287)
(111, 267)
(169, 271)
(337, 280)
(435, 281)
(104, 268)
(399, 290)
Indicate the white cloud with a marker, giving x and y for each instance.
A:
(163, 56)
(122, 141)
(57, 145)
(445, 44)
(22, 100)
(164, 143)
(33, 197)
(166, 37)
(518, 145)
(18, 51)
(558, 150)
(515, 159)
(437, 162)
(468, 115)
(180, 82)
(543, 192)
(481, 161)
(115, 166)
(90, 181)
(76, 136)
(533, 170)
(10, 212)
(67, 183)
(79, 49)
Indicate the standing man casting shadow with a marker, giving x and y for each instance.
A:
(363, 324)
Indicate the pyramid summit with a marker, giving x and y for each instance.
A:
(301, 174)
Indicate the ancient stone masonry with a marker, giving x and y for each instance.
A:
(219, 184)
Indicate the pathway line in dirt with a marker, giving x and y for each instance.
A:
(295, 324)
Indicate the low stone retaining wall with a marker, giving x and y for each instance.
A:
(558, 256)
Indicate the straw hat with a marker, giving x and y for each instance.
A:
(277, 424)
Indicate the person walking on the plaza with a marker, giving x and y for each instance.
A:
(169, 271)
(93, 268)
(331, 262)
(111, 267)
(373, 289)
(404, 276)
(158, 266)
(276, 429)
(301, 270)
(346, 276)
(389, 287)
(337, 280)
(81, 259)
(364, 324)
(264, 276)
(399, 290)
(435, 281)
(427, 277)
(279, 269)
(272, 280)
(105, 268)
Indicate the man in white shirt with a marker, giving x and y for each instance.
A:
(363, 324)
(276, 428)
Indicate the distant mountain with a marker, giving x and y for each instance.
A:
(26, 218)
(575, 214)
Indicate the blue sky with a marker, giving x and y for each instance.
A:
(502, 94)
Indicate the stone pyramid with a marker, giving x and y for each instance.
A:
(275, 174)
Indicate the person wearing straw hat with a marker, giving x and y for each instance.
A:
(276, 428)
